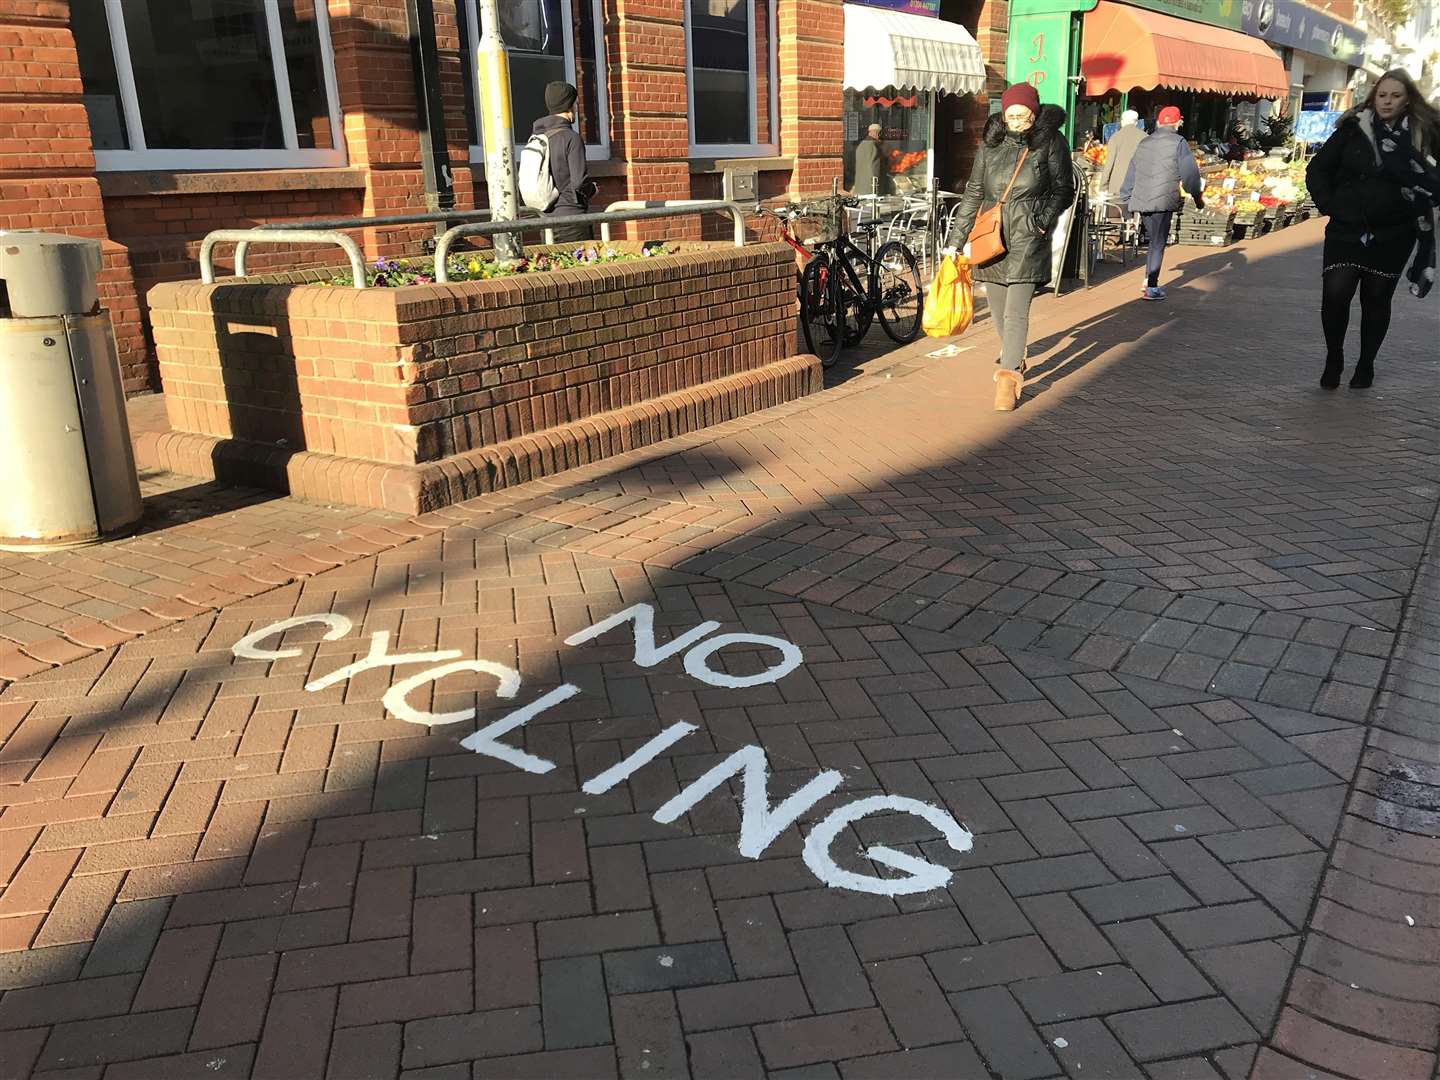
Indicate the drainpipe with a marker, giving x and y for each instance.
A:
(494, 83)
(430, 108)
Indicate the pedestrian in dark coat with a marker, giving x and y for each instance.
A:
(1162, 163)
(1044, 188)
(1376, 180)
(567, 162)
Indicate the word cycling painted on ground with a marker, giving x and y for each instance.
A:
(760, 822)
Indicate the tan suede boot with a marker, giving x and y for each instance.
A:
(1007, 389)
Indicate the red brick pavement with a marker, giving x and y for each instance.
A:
(209, 869)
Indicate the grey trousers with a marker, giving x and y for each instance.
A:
(1010, 312)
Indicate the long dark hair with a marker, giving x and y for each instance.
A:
(1422, 113)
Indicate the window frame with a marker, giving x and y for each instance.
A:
(751, 148)
(471, 49)
(143, 158)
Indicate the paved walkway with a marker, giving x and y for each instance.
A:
(1111, 660)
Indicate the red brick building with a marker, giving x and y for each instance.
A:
(148, 123)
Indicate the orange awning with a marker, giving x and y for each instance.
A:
(1127, 48)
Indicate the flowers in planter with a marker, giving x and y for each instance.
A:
(394, 273)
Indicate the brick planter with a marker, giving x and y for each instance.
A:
(409, 399)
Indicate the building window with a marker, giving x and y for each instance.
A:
(208, 84)
(545, 41)
(730, 69)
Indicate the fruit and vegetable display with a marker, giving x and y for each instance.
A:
(1252, 186)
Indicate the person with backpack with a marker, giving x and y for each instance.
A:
(1162, 163)
(553, 176)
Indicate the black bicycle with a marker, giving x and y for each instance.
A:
(844, 287)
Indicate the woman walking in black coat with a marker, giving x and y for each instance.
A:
(1022, 151)
(1376, 180)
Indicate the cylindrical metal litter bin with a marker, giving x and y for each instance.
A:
(66, 467)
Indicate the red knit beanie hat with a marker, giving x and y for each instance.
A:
(1021, 94)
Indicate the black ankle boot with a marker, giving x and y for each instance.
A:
(1364, 375)
(1334, 368)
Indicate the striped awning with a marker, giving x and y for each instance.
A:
(909, 52)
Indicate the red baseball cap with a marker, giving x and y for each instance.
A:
(1168, 115)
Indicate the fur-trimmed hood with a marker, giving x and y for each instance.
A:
(1050, 121)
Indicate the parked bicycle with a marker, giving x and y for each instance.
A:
(843, 287)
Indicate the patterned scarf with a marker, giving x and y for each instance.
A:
(1419, 182)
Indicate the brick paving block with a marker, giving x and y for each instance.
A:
(918, 933)
(411, 997)
(558, 901)
(441, 934)
(1201, 872)
(724, 1055)
(1002, 1033)
(1251, 844)
(368, 1053)
(1252, 975)
(1133, 899)
(618, 874)
(753, 936)
(233, 1009)
(1347, 1053)
(328, 877)
(1315, 812)
(506, 955)
(230, 1061)
(360, 961)
(597, 933)
(823, 907)
(987, 907)
(1384, 975)
(1224, 925)
(592, 1064)
(1194, 1068)
(475, 875)
(296, 1039)
(572, 999)
(1054, 875)
(990, 965)
(918, 1012)
(382, 906)
(1119, 849)
(950, 1059)
(738, 1004)
(36, 1006)
(1110, 802)
(38, 881)
(1077, 994)
(830, 969)
(808, 1040)
(684, 905)
(230, 905)
(559, 851)
(116, 1038)
(1086, 1048)
(668, 967)
(1175, 1030)
(648, 1039)
(1170, 824)
(178, 968)
(443, 1039)
(1154, 957)
(1071, 936)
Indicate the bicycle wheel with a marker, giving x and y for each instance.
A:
(854, 313)
(901, 296)
(819, 319)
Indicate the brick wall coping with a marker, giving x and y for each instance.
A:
(212, 183)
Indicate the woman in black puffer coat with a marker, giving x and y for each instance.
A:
(1044, 188)
(1376, 180)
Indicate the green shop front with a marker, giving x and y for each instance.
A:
(1096, 58)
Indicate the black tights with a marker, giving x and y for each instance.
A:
(1375, 295)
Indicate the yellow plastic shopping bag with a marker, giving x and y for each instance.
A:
(950, 303)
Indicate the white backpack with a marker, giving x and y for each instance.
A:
(537, 186)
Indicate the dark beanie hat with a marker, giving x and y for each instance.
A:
(1021, 94)
(559, 96)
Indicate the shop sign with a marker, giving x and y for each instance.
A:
(1040, 55)
(1224, 13)
(1292, 24)
(929, 8)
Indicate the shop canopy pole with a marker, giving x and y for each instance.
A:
(495, 118)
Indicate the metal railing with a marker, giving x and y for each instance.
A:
(737, 215)
(608, 217)
(476, 223)
(243, 238)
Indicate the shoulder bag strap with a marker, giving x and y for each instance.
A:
(1014, 176)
